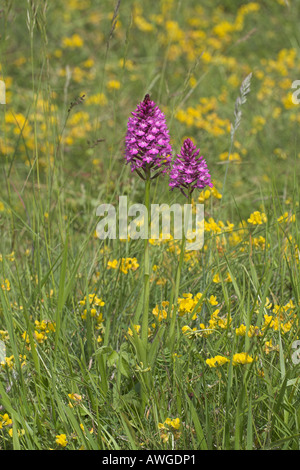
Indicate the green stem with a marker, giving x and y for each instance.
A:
(145, 317)
(174, 296)
(227, 163)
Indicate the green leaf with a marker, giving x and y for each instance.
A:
(198, 427)
(2, 351)
(112, 358)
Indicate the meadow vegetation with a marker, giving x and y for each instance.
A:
(224, 374)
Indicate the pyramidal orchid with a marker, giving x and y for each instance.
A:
(149, 153)
(147, 142)
(189, 171)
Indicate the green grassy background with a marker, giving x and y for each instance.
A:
(74, 71)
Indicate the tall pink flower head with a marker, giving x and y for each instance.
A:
(147, 140)
(189, 171)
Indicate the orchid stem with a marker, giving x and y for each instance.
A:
(174, 296)
(144, 333)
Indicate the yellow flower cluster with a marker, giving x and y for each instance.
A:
(187, 304)
(201, 38)
(237, 359)
(217, 227)
(192, 333)
(61, 440)
(240, 235)
(252, 331)
(9, 362)
(93, 304)
(41, 329)
(217, 361)
(259, 242)
(78, 5)
(4, 336)
(217, 278)
(78, 127)
(242, 358)
(258, 123)
(137, 329)
(5, 285)
(223, 234)
(287, 218)
(72, 42)
(16, 124)
(283, 319)
(223, 29)
(207, 193)
(169, 427)
(217, 322)
(233, 157)
(162, 314)
(214, 323)
(98, 99)
(269, 347)
(125, 265)
(75, 399)
(157, 275)
(257, 218)
(113, 84)
(10, 257)
(5, 421)
(204, 116)
(139, 21)
(276, 324)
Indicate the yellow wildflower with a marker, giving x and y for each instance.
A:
(252, 331)
(136, 328)
(5, 420)
(213, 300)
(6, 285)
(9, 362)
(40, 336)
(75, 397)
(113, 84)
(61, 440)
(270, 347)
(216, 361)
(242, 358)
(257, 218)
(161, 314)
(112, 264)
(169, 427)
(72, 42)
